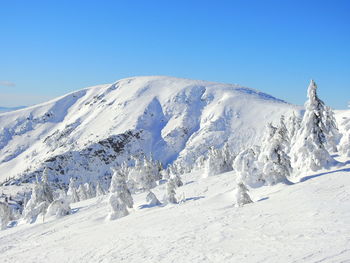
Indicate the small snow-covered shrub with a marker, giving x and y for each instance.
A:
(152, 199)
(241, 195)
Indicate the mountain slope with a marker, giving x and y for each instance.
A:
(304, 222)
(174, 119)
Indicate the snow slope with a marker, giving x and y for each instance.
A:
(83, 133)
(304, 222)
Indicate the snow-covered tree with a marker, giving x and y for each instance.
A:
(283, 135)
(241, 195)
(170, 196)
(344, 147)
(117, 207)
(152, 199)
(228, 156)
(309, 151)
(144, 174)
(151, 174)
(294, 123)
(217, 162)
(120, 189)
(90, 190)
(276, 166)
(41, 198)
(246, 167)
(175, 177)
(47, 190)
(5, 215)
(82, 192)
(166, 173)
(332, 133)
(120, 197)
(72, 191)
(59, 207)
(199, 163)
(99, 189)
(270, 132)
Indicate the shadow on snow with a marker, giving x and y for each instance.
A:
(164, 204)
(306, 178)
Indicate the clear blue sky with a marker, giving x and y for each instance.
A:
(49, 48)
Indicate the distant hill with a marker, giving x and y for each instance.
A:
(84, 133)
(6, 109)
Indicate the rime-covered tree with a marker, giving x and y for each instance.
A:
(117, 207)
(199, 163)
(120, 197)
(99, 189)
(144, 174)
(150, 174)
(344, 147)
(332, 133)
(170, 196)
(246, 167)
(217, 162)
(268, 136)
(90, 190)
(59, 207)
(275, 162)
(82, 192)
(283, 133)
(119, 188)
(175, 176)
(309, 151)
(5, 215)
(166, 173)
(294, 123)
(41, 198)
(228, 157)
(72, 191)
(47, 190)
(241, 195)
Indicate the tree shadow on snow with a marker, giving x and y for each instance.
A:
(263, 199)
(164, 204)
(194, 198)
(320, 174)
(150, 206)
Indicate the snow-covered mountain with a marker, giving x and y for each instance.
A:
(85, 132)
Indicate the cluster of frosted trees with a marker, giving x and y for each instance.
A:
(302, 147)
(49, 201)
(142, 177)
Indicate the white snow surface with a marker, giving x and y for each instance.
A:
(177, 119)
(304, 222)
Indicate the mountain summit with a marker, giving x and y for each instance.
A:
(169, 118)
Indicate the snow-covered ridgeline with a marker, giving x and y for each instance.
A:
(175, 119)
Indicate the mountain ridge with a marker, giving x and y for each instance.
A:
(176, 119)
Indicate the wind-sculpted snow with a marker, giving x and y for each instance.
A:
(179, 120)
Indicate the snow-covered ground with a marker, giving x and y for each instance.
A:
(305, 222)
